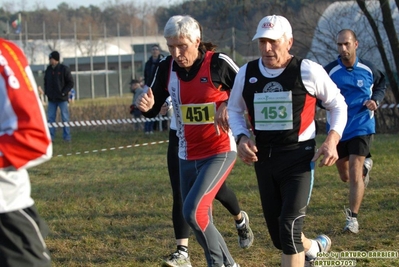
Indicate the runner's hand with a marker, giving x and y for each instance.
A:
(145, 101)
(222, 119)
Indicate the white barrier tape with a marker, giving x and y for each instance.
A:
(391, 106)
(125, 121)
(113, 148)
(102, 122)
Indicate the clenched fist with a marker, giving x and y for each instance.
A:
(145, 101)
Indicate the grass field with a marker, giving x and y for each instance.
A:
(108, 202)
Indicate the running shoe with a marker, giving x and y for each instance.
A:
(351, 223)
(367, 166)
(245, 234)
(177, 259)
(324, 243)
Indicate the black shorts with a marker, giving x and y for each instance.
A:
(22, 234)
(285, 179)
(359, 145)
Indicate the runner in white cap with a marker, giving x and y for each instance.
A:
(279, 91)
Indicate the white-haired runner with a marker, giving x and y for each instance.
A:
(279, 92)
(199, 82)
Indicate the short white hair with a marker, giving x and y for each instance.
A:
(182, 26)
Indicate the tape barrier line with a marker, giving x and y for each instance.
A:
(102, 122)
(126, 121)
(113, 148)
(390, 106)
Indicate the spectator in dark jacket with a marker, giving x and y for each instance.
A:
(149, 72)
(58, 82)
(152, 64)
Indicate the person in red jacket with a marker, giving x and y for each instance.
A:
(24, 142)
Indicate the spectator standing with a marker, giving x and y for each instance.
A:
(24, 142)
(135, 88)
(151, 65)
(279, 91)
(363, 87)
(149, 71)
(58, 82)
(197, 80)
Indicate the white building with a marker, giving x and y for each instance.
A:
(102, 67)
(37, 51)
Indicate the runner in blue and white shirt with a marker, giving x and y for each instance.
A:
(363, 87)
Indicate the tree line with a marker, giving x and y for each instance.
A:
(228, 23)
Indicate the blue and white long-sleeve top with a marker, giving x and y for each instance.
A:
(359, 83)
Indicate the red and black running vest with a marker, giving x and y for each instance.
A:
(303, 104)
(195, 102)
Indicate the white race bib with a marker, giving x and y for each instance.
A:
(273, 111)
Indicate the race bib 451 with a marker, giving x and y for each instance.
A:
(198, 113)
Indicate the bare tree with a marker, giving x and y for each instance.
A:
(392, 37)
(377, 41)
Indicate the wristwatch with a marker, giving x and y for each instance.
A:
(377, 102)
(239, 138)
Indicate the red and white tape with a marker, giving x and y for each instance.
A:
(102, 122)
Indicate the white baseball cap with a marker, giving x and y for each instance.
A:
(273, 27)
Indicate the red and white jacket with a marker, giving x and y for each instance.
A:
(24, 136)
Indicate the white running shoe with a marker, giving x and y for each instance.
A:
(177, 259)
(367, 166)
(351, 223)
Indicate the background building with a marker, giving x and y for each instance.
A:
(101, 67)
